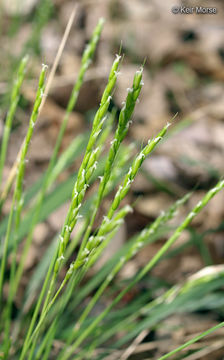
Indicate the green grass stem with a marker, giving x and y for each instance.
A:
(15, 95)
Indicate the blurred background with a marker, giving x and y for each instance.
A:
(183, 75)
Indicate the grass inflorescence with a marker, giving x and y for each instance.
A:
(58, 291)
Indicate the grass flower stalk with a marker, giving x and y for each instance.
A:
(15, 95)
(122, 128)
(88, 165)
(93, 244)
(17, 197)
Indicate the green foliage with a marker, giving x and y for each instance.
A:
(52, 307)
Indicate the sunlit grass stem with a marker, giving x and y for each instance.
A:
(15, 95)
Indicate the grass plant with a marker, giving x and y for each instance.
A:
(57, 305)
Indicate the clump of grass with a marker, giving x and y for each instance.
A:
(53, 311)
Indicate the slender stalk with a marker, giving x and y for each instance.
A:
(11, 113)
(36, 311)
(17, 197)
(46, 344)
(33, 337)
(192, 341)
